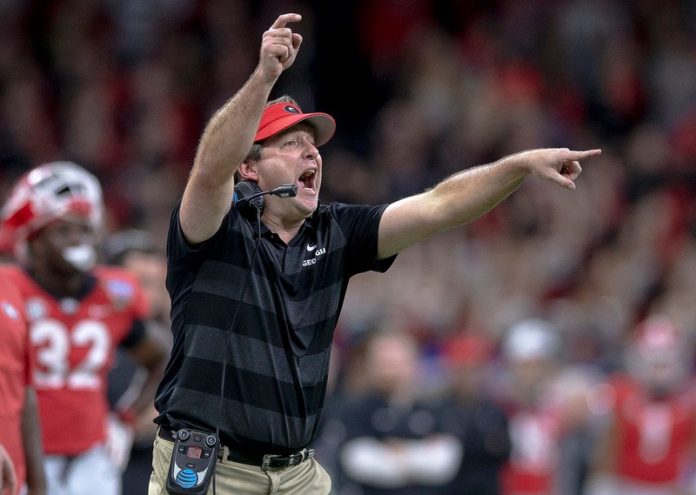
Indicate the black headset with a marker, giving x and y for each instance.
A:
(248, 196)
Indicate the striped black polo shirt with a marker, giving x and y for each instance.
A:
(266, 312)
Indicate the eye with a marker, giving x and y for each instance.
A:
(290, 142)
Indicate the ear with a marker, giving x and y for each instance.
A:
(247, 171)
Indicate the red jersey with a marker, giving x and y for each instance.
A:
(74, 343)
(655, 436)
(534, 434)
(15, 373)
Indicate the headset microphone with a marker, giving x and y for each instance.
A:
(248, 193)
(284, 191)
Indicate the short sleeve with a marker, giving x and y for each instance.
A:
(360, 226)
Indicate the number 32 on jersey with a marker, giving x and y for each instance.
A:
(70, 358)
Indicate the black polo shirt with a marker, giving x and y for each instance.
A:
(266, 312)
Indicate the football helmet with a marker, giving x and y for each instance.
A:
(658, 354)
(48, 192)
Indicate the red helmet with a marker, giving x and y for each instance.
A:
(658, 355)
(49, 192)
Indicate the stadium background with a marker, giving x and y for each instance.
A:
(419, 89)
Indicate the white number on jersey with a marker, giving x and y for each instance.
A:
(655, 429)
(53, 357)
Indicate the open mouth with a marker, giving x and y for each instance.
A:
(308, 179)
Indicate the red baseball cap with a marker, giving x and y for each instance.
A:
(281, 116)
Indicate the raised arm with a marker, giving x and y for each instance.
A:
(467, 195)
(229, 135)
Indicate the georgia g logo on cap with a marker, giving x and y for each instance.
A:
(281, 116)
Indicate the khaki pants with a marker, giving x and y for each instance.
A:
(233, 478)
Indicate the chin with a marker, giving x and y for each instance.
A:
(308, 212)
(308, 205)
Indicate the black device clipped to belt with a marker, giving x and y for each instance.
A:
(193, 462)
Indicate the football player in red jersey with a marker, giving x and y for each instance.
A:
(530, 350)
(78, 312)
(547, 402)
(20, 437)
(649, 439)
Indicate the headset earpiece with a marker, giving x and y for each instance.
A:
(245, 189)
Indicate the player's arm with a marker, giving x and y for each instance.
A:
(229, 135)
(602, 462)
(31, 438)
(150, 353)
(8, 478)
(467, 195)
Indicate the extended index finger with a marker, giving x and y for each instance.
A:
(283, 19)
(581, 155)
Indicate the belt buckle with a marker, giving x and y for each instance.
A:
(266, 462)
(293, 459)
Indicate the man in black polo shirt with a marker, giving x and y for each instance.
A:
(257, 290)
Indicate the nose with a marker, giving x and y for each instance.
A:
(310, 151)
(77, 233)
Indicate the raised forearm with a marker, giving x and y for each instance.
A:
(229, 134)
(223, 146)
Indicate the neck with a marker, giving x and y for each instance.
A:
(59, 285)
(285, 229)
(400, 396)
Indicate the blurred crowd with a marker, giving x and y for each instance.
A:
(419, 89)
